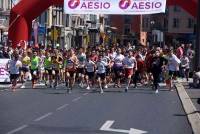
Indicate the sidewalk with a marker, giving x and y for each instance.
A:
(194, 94)
(189, 97)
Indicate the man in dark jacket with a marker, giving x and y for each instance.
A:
(156, 69)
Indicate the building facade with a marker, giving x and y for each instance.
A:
(173, 27)
(5, 6)
(128, 28)
(68, 30)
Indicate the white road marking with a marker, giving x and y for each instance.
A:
(17, 129)
(107, 127)
(43, 117)
(85, 94)
(62, 107)
(76, 99)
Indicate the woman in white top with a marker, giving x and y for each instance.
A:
(173, 66)
(185, 66)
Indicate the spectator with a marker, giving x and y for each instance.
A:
(196, 78)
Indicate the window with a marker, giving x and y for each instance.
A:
(190, 23)
(175, 23)
(127, 29)
(145, 22)
(127, 19)
(177, 8)
(1, 4)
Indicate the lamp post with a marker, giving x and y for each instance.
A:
(151, 28)
(73, 28)
(53, 25)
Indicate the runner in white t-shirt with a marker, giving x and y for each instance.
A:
(129, 64)
(14, 67)
(118, 66)
(173, 67)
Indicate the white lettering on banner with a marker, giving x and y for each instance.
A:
(4, 74)
(114, 6)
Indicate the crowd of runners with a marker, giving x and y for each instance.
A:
(101, 66)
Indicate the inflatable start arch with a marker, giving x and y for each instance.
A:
(26, 11)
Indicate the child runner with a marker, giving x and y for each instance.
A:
(90, 69)
(101, 72)
(129, 64)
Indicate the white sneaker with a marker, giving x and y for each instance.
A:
(101, 91)
(88, 88)
(22, 86)
(156, 91)
(106, 86)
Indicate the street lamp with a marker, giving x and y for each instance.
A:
(53, 25)
(151, 28)
(73, 21)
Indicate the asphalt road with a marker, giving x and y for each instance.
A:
(53, 111)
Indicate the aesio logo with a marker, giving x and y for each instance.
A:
(73, 3)
(124, 4)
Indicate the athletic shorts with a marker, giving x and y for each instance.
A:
(102, 76)
(80, 70)
(108, 71)
(90, 75)
(128, 72)
(49, 71)
(71, 73)
(14, 76)
(25, 69)
(37, 73)
(56, 71)
(118, 71)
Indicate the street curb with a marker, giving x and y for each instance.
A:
(190, 110)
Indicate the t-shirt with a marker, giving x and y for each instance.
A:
(35, 63)
(47, 62)
(89, 65)
(14, 66)
(112, 55)
(185, 62)
(173, 63)
(101, 67)
(179, 52)
(26, 61)
(106, 59)
(94, 58)
(70, 64)
(118, 60)
(129, 62)
(82, 60)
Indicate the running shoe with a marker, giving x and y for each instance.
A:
(23, 86)
(88, 88)
(156, 91)
(126, 89)
(101, 91)
(106, 86)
